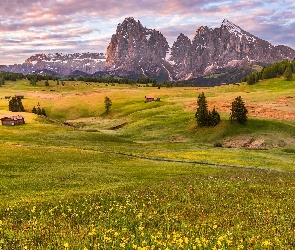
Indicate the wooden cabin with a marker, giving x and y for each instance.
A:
(149, 98)
(13, 120)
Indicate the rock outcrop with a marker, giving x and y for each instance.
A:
(137, 51)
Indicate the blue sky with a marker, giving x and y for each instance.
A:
(48, 26)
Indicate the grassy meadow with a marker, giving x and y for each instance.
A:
(144, 176)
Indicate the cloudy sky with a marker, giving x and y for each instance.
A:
(67, 26)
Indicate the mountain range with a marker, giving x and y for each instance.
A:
(136, 51)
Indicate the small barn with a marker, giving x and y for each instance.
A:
(149, 98)
(13, 120)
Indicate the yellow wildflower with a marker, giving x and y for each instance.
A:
(240, 247)
(266, 243)
(33, 209)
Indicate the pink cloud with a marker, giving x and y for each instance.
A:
(75, 25)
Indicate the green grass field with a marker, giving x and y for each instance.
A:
(72, 181)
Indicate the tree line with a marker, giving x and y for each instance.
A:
(284, 68)
(8, 76)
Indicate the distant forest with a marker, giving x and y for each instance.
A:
(284, 68)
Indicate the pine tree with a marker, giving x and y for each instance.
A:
(108, 103)
(43, 112)
(204, 117)
(15, 105)
(238, 111)
(34, 110)
(214, 118)
(202, 111)
(39, 112)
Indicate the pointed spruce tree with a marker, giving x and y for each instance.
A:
(238, 111)
(15, 105)
(202, 113)
(107, 103)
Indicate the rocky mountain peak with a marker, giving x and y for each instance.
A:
(137, 50)
(237, 31)
(226, 47)
(201, 30)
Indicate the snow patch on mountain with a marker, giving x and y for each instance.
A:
(237, 31)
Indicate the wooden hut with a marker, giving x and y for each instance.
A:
(149, 98)
(13, 120)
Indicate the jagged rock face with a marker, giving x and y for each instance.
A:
(227, 46)
(60, 64)
(136, 50)
(180, 56)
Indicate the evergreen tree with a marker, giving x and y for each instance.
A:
(107, 103)
(214, 118)
(34, 110)
(238, 111)
(204, 117)
(39, 112)
(15, 105)
(202, 111)
(43, 112)
(288, 74)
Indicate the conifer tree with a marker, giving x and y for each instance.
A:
(214, 118)
(34, 110)
(15, 105)
(238, 111)
(108, 103)
(204, 117)
(202, 111)
(43, 112)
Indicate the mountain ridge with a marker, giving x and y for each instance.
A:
(137, 51)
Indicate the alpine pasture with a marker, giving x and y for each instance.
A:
(145, 176)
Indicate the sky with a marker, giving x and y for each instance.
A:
(28, 27)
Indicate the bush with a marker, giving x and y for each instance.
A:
(218, 144)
